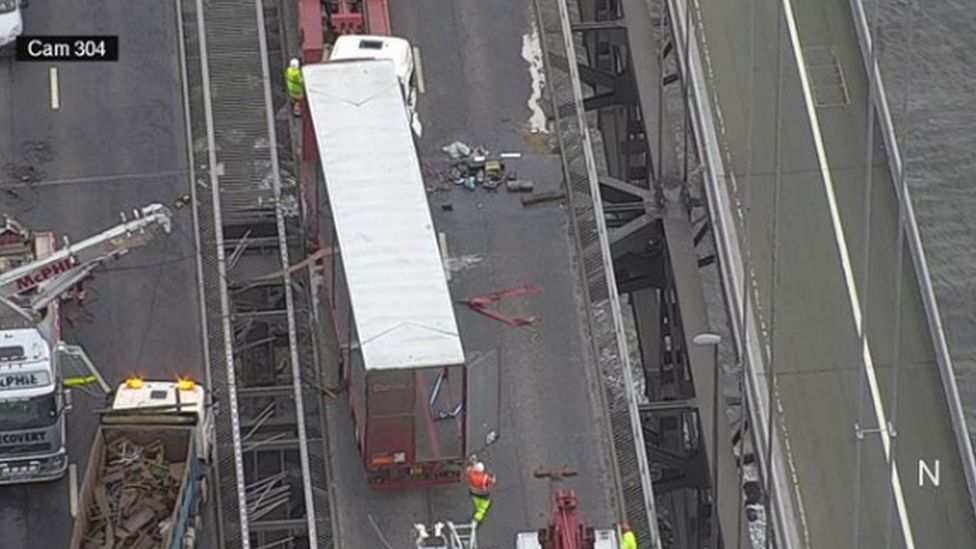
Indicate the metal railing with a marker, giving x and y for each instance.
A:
(271, 483)
(634, 493)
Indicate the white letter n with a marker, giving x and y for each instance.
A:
(924, 471)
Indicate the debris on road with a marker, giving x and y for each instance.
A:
(474, 167)
(182, 202)
(457, 150)
(520, 186)
(480, 304)
(134, 497)
(539, 198)
(456, 264)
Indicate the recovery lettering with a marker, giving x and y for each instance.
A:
(20, 438)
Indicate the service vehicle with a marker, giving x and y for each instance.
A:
(33, 275)
(145, 483)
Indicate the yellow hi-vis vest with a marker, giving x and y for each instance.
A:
(296, 86)
(628, 541)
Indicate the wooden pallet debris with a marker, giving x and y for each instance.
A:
(134, 497)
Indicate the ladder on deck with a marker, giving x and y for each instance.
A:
(447, 535)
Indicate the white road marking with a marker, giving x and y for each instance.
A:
(73, 489)
(442, 240)
(418, 67)
(903, 518)
(55, 93)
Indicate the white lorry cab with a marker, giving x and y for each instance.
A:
(162, 403)
(11, 23)
(361, 47)
(32, 409)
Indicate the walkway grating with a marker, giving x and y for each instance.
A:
(271, 483)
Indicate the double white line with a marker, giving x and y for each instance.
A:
(845, 258)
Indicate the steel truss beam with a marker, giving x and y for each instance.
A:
(642, 264)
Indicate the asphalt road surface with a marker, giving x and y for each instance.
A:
(477, 90)
(827, 383)
(115, 143)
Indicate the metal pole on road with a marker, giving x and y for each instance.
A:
(708, 339)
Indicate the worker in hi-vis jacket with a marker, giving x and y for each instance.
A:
(296, 86)
(479, 485)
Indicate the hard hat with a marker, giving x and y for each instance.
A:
(479, 467)
(294, 63)
(624, 527)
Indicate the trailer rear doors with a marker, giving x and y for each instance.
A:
(415, 426)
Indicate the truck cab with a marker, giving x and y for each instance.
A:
(33, 403)
(180, 402)
(358, 47)
(11, 23)
(32, 410)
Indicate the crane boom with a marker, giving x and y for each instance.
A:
(52, 275)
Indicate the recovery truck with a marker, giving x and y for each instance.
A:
(33, 275)
(145, 481)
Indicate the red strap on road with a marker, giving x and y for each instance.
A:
(480, 304)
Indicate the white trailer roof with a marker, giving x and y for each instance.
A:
(400, 300)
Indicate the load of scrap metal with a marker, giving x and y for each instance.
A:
(134, 498)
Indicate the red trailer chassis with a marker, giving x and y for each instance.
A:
(343, 17)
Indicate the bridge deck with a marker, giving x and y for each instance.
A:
(825, 381)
